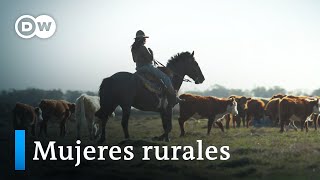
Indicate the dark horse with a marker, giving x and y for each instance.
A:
(125, 89)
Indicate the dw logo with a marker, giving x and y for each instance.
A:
(27, 26)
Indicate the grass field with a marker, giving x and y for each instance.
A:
(255, 153)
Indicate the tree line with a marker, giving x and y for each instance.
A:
(221, 91)
(33, 96)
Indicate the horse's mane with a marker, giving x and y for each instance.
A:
(178, 57)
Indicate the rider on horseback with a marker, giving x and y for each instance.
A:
(143, 58)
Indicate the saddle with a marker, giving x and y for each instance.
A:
(152, 83)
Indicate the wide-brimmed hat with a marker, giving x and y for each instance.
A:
(140, 34)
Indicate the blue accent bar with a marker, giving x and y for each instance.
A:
(20, 153)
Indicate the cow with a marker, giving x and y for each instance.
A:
(272, 110)
(55, 110)
(280, 96)
(314, 117)
(206, 106)
(241, 106)
(293, 108)
(86, 107)
(254, 110)
(25, 115)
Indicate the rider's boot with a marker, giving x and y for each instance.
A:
(173, 99)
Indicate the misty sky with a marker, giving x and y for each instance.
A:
(237, 43)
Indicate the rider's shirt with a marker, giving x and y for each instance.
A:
(141, 56)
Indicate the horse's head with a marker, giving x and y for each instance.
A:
(193, 70)
(188, 66)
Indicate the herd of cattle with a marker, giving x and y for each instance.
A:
(281, 110)
(58, 111)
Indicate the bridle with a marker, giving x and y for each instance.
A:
(176, 74)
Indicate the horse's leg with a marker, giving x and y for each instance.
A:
(164, 126)
(104, 119)
(166, 118)
(103, 130)
(169, 123)
(125, 118)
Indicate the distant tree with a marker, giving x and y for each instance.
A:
(316, 92)
(92, 93)
(259, 92)
(30, 96)
(276, 90)
(71, 96)
(267, 93)
(219, 91)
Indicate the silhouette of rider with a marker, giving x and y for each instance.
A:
(143, 58)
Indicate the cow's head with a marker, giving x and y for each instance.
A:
(72, 107)
(96, 126)
(44, 106)
(232, 106)
(314, 103)
(241, 103)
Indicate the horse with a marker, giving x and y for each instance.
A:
(125, 89)
(86, 107)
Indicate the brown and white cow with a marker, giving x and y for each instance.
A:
(255, 110)
(86, 107)
(56, 110)
(280, 96)
(25, 116)
(314, 117)
(241, 106)
(296, 108)
(206, 106)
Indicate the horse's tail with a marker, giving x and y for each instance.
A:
(105, 93)
(80, 113)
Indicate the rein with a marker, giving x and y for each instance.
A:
(183, 79)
